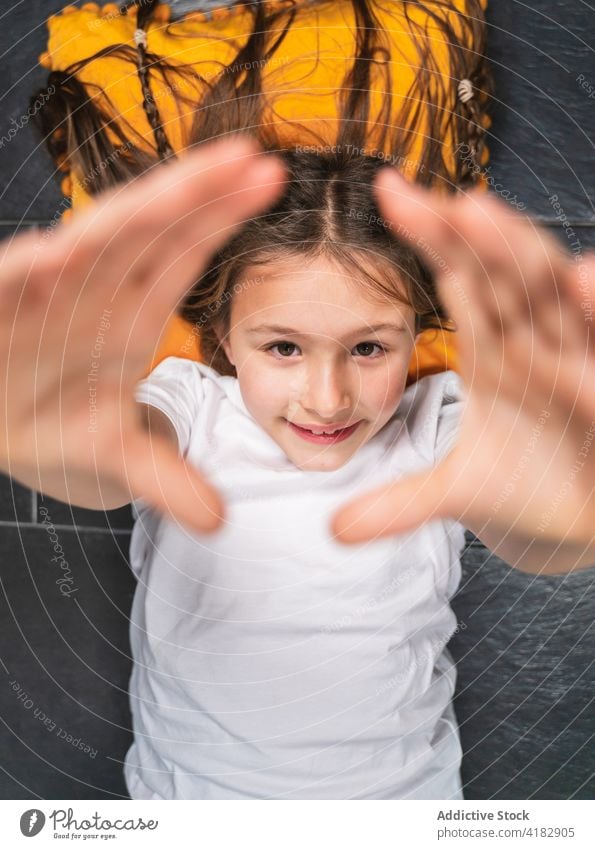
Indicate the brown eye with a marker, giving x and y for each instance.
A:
(366, 349)
(285, 349)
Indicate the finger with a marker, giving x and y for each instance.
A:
(512, 272)
(571, 373)
(528, 270)
(467, 235)
(580, 288)
(496, 281)
(156, 473)
(429, 223)
(130, 227)
(427, 219)
(509, 265)
(18, 259)
(399, 507)
(190, 241)
(553, 330)
(229, 192)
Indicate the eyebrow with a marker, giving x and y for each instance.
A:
(289, 331)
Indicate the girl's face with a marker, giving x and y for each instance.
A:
(313, 352)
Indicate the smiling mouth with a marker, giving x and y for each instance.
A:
(337, 435)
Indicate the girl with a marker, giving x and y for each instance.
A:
(271, 660)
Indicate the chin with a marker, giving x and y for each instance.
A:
(321, 464)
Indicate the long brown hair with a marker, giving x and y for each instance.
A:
(82, 127)
(328, 206)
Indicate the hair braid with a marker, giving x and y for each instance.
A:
(475, 92)
(474, 135)
(143, 16)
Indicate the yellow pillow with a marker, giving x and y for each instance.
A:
(302, 76)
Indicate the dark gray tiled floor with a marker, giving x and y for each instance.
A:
(524, 653)
(28, 190)
(17, 503)
(64, 514)
(64, 664)
(541, 141)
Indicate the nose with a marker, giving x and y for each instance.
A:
(327, 392)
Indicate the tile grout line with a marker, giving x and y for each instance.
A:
(4, 523)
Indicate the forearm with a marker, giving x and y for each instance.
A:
(66, 465)
(69, 486)
(537, 516)
(74, 474)
(536, 556)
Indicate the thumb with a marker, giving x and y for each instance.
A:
(400, 506)
(156, 473)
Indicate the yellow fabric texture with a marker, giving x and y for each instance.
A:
(304, 76)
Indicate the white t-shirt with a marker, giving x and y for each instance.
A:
(270, 660)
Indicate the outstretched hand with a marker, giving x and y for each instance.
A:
(523, 308)
(79, 319)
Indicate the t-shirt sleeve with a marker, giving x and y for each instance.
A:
(449, 415)
(175, 387)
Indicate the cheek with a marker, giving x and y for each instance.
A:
(264, 391)
(382, 390)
